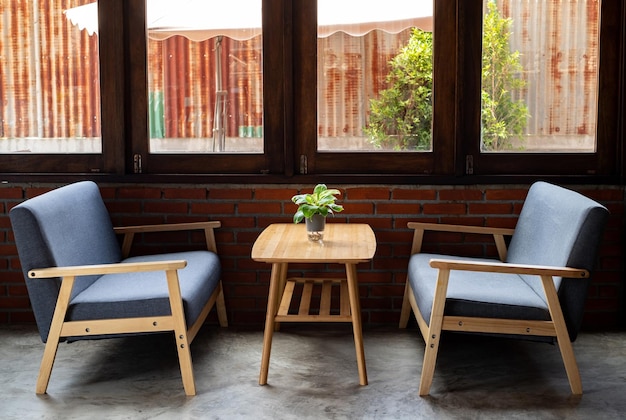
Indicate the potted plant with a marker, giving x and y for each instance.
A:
(314, 208)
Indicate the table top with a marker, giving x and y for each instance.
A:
(343, 243)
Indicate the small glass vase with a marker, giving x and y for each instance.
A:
(315, 228)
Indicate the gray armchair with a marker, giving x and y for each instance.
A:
(536, 290)
(82, 284)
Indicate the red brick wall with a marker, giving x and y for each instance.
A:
(245, 211)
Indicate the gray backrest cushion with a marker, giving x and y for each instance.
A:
(64, 227)
(559, 227)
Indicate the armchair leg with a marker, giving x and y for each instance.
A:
(405, 313)
(54, 335)
(180, 331)
(221, 308)
(571, 367)
(45, 370)
(434, 333)
(428, 367)
(562, 336)
(184, 359)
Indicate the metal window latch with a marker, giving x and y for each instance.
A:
(303, 165)
(469, 165)
(137, 163)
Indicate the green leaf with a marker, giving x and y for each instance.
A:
(320, 201)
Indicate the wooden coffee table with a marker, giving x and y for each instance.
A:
(281, 244)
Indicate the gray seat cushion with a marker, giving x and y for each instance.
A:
(146, 293)
(489, 295)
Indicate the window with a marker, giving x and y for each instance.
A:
(205, 76)
(545, 78)
(204, 99)
(363, 123)
(540, 76)
(374, 76)
(50, 87)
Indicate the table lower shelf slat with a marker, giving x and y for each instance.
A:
(304, 307)
(313, 318)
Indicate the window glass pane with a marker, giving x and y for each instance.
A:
(540, 76)
(49, 79)
(205, 76)
(375, 75)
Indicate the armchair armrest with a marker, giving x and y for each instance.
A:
(481, 266)
(498, 234)
(461, 228)
(129, 232)
(167, 227)
(87, 270)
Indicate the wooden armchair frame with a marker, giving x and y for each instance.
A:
(556, 327)
(175, 322)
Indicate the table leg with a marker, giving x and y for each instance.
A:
(355, 310)
(278, 270)
(282, 276)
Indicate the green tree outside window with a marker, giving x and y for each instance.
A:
(401, 117)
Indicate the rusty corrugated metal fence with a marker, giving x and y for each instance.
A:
(49, 74)
(183, 73)
(351, 71)
(559, 45)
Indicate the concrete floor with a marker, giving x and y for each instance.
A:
(312, 375)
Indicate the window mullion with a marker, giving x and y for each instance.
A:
(111, 48)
